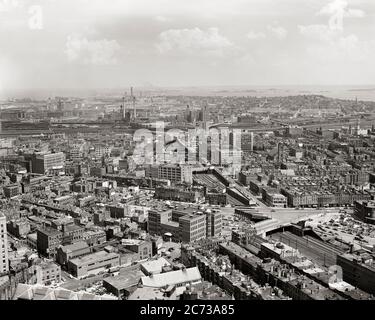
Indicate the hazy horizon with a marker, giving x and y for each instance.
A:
(364, 92)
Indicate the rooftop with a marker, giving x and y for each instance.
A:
(155, 266)
(37, 292)
(172, 278)
(50, 232)
(75, 246)
(125, 280)
(94, 257)
(146, 293)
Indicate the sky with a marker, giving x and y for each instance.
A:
(117, 43)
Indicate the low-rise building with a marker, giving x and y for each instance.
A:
(274, 199)
(140, 247)
(38, 292)
(93, 263)
(179, 194)
(173, 278)
(154, 266)
(94, 237)
(19, 228)
(124, 283)
(31, 240)
(365, 210)
(11, 191)
(45, 273)
(71, 251)
(48, 239)
(358, 270)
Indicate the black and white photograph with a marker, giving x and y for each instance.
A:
(179, 157)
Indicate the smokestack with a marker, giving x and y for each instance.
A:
(252, 141)
(123, 108)
(133, 101)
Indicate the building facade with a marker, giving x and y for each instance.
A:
(4, 263)
(94, 263)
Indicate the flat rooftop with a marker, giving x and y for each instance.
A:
(75, 246)
(154, 266)
(125, 280)
(50, 232)
(172, 278)
(94, 257)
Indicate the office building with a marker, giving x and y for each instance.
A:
(42, 163)
(173, 172)
(192, 227)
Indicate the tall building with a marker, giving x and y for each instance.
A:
(214, 224)
(4, 263)
(183, 224)
(173, 172)
(45, 162)
(48, 240)
(192, 227)
(155, 220)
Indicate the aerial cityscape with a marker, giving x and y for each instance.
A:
(115, 185)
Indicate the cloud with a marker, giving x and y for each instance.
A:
(327, 44)
(330, 43)
(7, 5)
(318, 32)
(278, 31)
(338, 7)
(337, 10)
(252, 35)
(96, 52)
(161, 19)
(193, 42)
